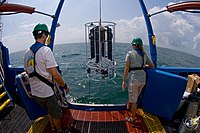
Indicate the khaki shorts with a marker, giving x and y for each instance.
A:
(134, 91)
(50, 104)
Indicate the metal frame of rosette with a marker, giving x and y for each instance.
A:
(100, 45)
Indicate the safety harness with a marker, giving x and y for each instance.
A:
(34, 48)
(138, 68)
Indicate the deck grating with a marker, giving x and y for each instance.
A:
(83, 121)
(100, 127)
(17, 122)
(80, 121)
(88, 121)
(103, 121)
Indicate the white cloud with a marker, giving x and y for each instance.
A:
(177, 30)
(69, 35)
(17, 42)
(197, 41)
(171, 30)
(126, 30)
(25, 26)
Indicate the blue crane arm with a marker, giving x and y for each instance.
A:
(54, 23)
(151, 36)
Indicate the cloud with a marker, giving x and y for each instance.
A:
(196, 41)
(172, 30)
(17, 42)
(21, 38)
(126, 30)
(25, 26)
(176, 30)
(69, 35)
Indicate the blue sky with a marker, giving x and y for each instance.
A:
(179, 31)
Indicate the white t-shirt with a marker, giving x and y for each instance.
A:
(44, 59)
(136, 60)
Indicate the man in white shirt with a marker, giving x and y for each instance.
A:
(40, 65)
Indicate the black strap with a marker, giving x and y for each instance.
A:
(44, 80)
(135, 68)
(34, 48)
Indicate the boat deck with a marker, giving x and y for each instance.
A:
(81, 121)
(17, 122)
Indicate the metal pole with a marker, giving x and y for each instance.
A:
(151, 36)
(54, 23)
(100, 59)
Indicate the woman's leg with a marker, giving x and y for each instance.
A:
(133, 110)
(129, 106)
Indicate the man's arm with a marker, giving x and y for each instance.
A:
(58, 78)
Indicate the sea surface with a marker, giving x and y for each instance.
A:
(71, 59)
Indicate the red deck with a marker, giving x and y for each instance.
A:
(83, 119)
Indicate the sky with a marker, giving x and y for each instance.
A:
(180, 30)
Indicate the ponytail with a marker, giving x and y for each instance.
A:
(140, 47)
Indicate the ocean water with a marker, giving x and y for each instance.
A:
(71, 59)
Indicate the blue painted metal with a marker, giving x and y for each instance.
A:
(178, 69)
(54, 23)
(5, 54)
(9, 76)
(8, 108)
(33, 110)
(153, 51)
(7, 93)
(163, 93)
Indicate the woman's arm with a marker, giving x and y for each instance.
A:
(126, 69)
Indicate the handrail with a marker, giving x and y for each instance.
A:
(28, 93)
(184, 6)
(11, 9)
(16, 8)
(2, 75)
(188, 6)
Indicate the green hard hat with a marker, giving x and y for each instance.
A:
(137, 41)
(41, 27)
